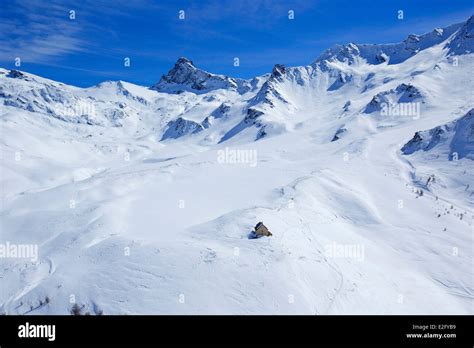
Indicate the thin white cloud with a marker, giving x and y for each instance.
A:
(35, 32)
(42, 31)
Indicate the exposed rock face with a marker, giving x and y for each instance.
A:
(278, 71)
(341, 80)
(463, 42)
(15, 74)
(457, 136)
(221, 111)
(218, 113)
(404, 93)
(184, 76)
(347, 106)
(252, 115)
(339, 133)
(269, 91)
(181, 127)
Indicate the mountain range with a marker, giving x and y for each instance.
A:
(141, 199)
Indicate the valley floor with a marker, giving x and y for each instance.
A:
(166, 230)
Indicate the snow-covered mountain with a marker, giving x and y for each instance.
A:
(457, 138)
(403, 93)
(142, 199)
(460, 43)
(184, 76)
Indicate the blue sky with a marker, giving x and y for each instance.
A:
(92, 47)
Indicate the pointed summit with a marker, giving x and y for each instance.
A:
(184, 76)
(184, 61)
(278, 71)
(182, 64)
(181, 72)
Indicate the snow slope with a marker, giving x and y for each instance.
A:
(457, 137)
(141, 200)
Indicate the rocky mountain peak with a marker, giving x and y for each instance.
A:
(181, 72)
(184, 61)
(184, 76)
(278, 71)
(16, 74)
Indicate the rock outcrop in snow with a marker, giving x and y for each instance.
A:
(463, 41)
(456, 138)
(181, 127)
(269, 93)
(339, 133)
(341, 80)
(403, 93)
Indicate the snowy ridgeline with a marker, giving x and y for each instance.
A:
(120, 198)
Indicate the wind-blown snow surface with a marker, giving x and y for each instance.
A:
(138, 204)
